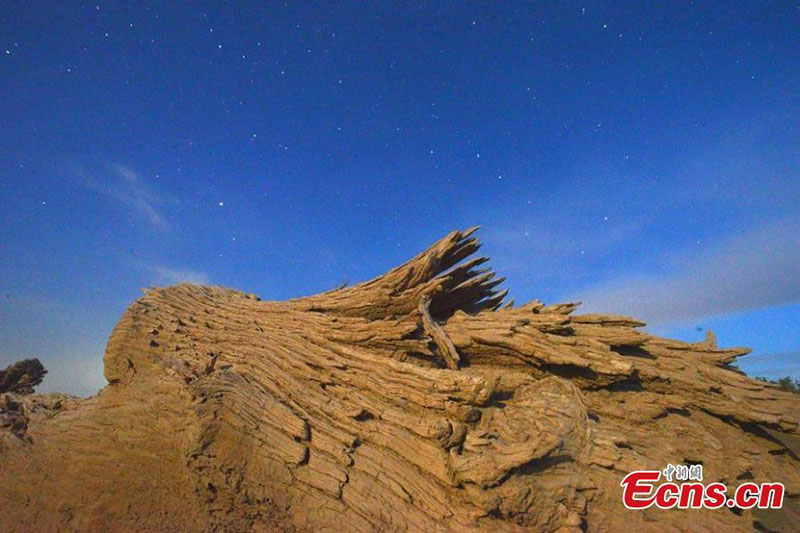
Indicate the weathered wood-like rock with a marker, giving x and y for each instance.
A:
(414, 401)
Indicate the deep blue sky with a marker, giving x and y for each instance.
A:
(640, 156)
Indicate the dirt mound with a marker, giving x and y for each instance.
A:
(414, 401)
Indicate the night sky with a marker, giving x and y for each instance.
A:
(642, 157)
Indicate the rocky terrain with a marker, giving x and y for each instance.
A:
(419, 400)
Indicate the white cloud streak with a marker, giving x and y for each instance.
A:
(172, 276)
(131, 190)
(752, 270)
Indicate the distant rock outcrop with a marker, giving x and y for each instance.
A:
(22, 376)
(414, 401)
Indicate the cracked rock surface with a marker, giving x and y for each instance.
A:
(419, 400)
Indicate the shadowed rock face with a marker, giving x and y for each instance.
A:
(414, 401)
(22, 376)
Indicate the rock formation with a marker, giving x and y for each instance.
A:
(22, 376)
(415, 401)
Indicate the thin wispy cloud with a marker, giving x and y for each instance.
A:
(545, 240)
(554, 244)
(131, 190)
(751, 270)
(170, 276)
(715, 230)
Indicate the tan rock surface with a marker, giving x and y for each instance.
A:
(409, 402)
